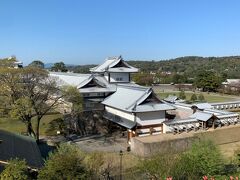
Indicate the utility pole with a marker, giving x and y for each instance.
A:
(121, 154)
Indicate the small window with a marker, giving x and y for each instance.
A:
(89, 105)
(119, 79)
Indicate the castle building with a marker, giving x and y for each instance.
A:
(137, 108)
(109, 89)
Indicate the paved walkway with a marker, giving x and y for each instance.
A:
(103, 144)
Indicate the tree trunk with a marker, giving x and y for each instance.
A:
(37, 129)
(30, 130)
(80, 125)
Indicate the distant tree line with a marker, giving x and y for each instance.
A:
(229, 67)
(205, 73)
(181, 69)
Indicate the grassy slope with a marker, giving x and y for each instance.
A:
(16, 126)
(130, 161)
(209, 97)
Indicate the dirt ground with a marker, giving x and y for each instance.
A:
(103, 144)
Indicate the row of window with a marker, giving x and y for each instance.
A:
(92, 94)
(119, 79)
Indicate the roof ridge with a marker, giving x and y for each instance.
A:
(109, 63)
(92, 69)
(86, 81)
(114, 58)
(135, 104)
(69, 74)
(113, 61)
(134, 87)
(204, 112)
(98, 81)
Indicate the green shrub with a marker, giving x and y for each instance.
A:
(65, 163)
(182, 95)
(201, 97)
(203, 158)
(15, 170)
(193, 97)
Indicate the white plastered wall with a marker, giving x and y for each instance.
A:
(126, 115)
(119, 77)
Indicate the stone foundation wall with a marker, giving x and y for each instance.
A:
(147, 146)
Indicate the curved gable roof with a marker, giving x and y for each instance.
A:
(126, 97)
(73, 79)
(202, 116)
(202, 106)
(130, 98)
(110, 65)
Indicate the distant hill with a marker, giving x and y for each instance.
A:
(190, 64)
(228, 66)
(81, 68)
(49, 65)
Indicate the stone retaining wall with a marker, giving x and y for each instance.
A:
(149, 145)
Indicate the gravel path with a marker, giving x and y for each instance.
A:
(103, 144)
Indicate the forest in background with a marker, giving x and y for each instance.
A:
(228, 66)
(203, 72)
(213, 70)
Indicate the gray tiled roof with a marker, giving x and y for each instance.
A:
(203, 105)
(73, 79)
(19, 146)
(129, 98)
(202, 116)
(181, 121)
(80, 80)
(208, 113)
(101, 81)
(221, 113)
(109, 66)
(171, 98)
(102, 67)
(153, 107)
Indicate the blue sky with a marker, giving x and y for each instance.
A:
(87, 31)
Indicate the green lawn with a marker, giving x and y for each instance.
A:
(209, 97)
(16, 126)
